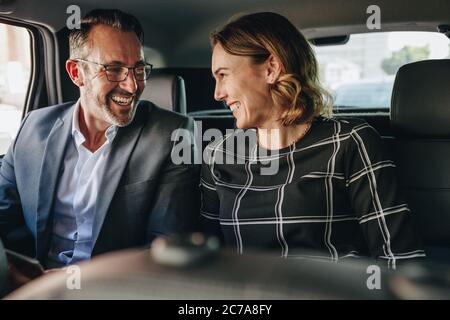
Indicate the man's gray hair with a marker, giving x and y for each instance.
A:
(78, 38)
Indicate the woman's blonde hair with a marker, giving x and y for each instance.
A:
(259, 35)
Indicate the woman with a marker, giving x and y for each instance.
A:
(334, 190)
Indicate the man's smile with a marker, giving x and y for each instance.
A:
(121, 100)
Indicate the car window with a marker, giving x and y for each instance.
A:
(360, 73)
(15, 66)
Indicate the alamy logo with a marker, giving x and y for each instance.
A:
(73, 281)
(374, 20)
(187, 148)
(74, 20)
(374, 280)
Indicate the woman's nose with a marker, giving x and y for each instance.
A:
(219, 93)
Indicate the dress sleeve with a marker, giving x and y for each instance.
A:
(210, 203)
(385, 219)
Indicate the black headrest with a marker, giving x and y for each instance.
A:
(420, 103)
(166, 91)
(199, 87)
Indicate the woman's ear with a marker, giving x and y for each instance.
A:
(74, 72)
(275, 69)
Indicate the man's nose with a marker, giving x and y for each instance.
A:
(130, 83)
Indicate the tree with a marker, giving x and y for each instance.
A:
(405, 55)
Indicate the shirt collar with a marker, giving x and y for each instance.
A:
(78, 136)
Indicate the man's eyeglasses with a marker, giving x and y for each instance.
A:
(118, 73)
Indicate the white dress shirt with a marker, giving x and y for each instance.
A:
(75, 202)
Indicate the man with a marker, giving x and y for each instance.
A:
(96, 175)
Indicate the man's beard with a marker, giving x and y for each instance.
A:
(114, 119)
(104, 103)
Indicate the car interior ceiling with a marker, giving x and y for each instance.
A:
(179, 30)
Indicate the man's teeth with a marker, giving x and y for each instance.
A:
(234, 106)
(121, 100)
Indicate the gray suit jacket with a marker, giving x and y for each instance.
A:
(144, 193)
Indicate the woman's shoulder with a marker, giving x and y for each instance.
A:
(346, 130)
(343, 125)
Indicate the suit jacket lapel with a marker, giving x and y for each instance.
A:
(50, 169)
(121, 150)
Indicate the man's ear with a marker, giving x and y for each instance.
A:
(74, 72)
(275, 69)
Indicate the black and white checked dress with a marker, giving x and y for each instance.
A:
(335, 193)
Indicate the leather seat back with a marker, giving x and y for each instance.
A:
(166, 91)
(420, 119)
